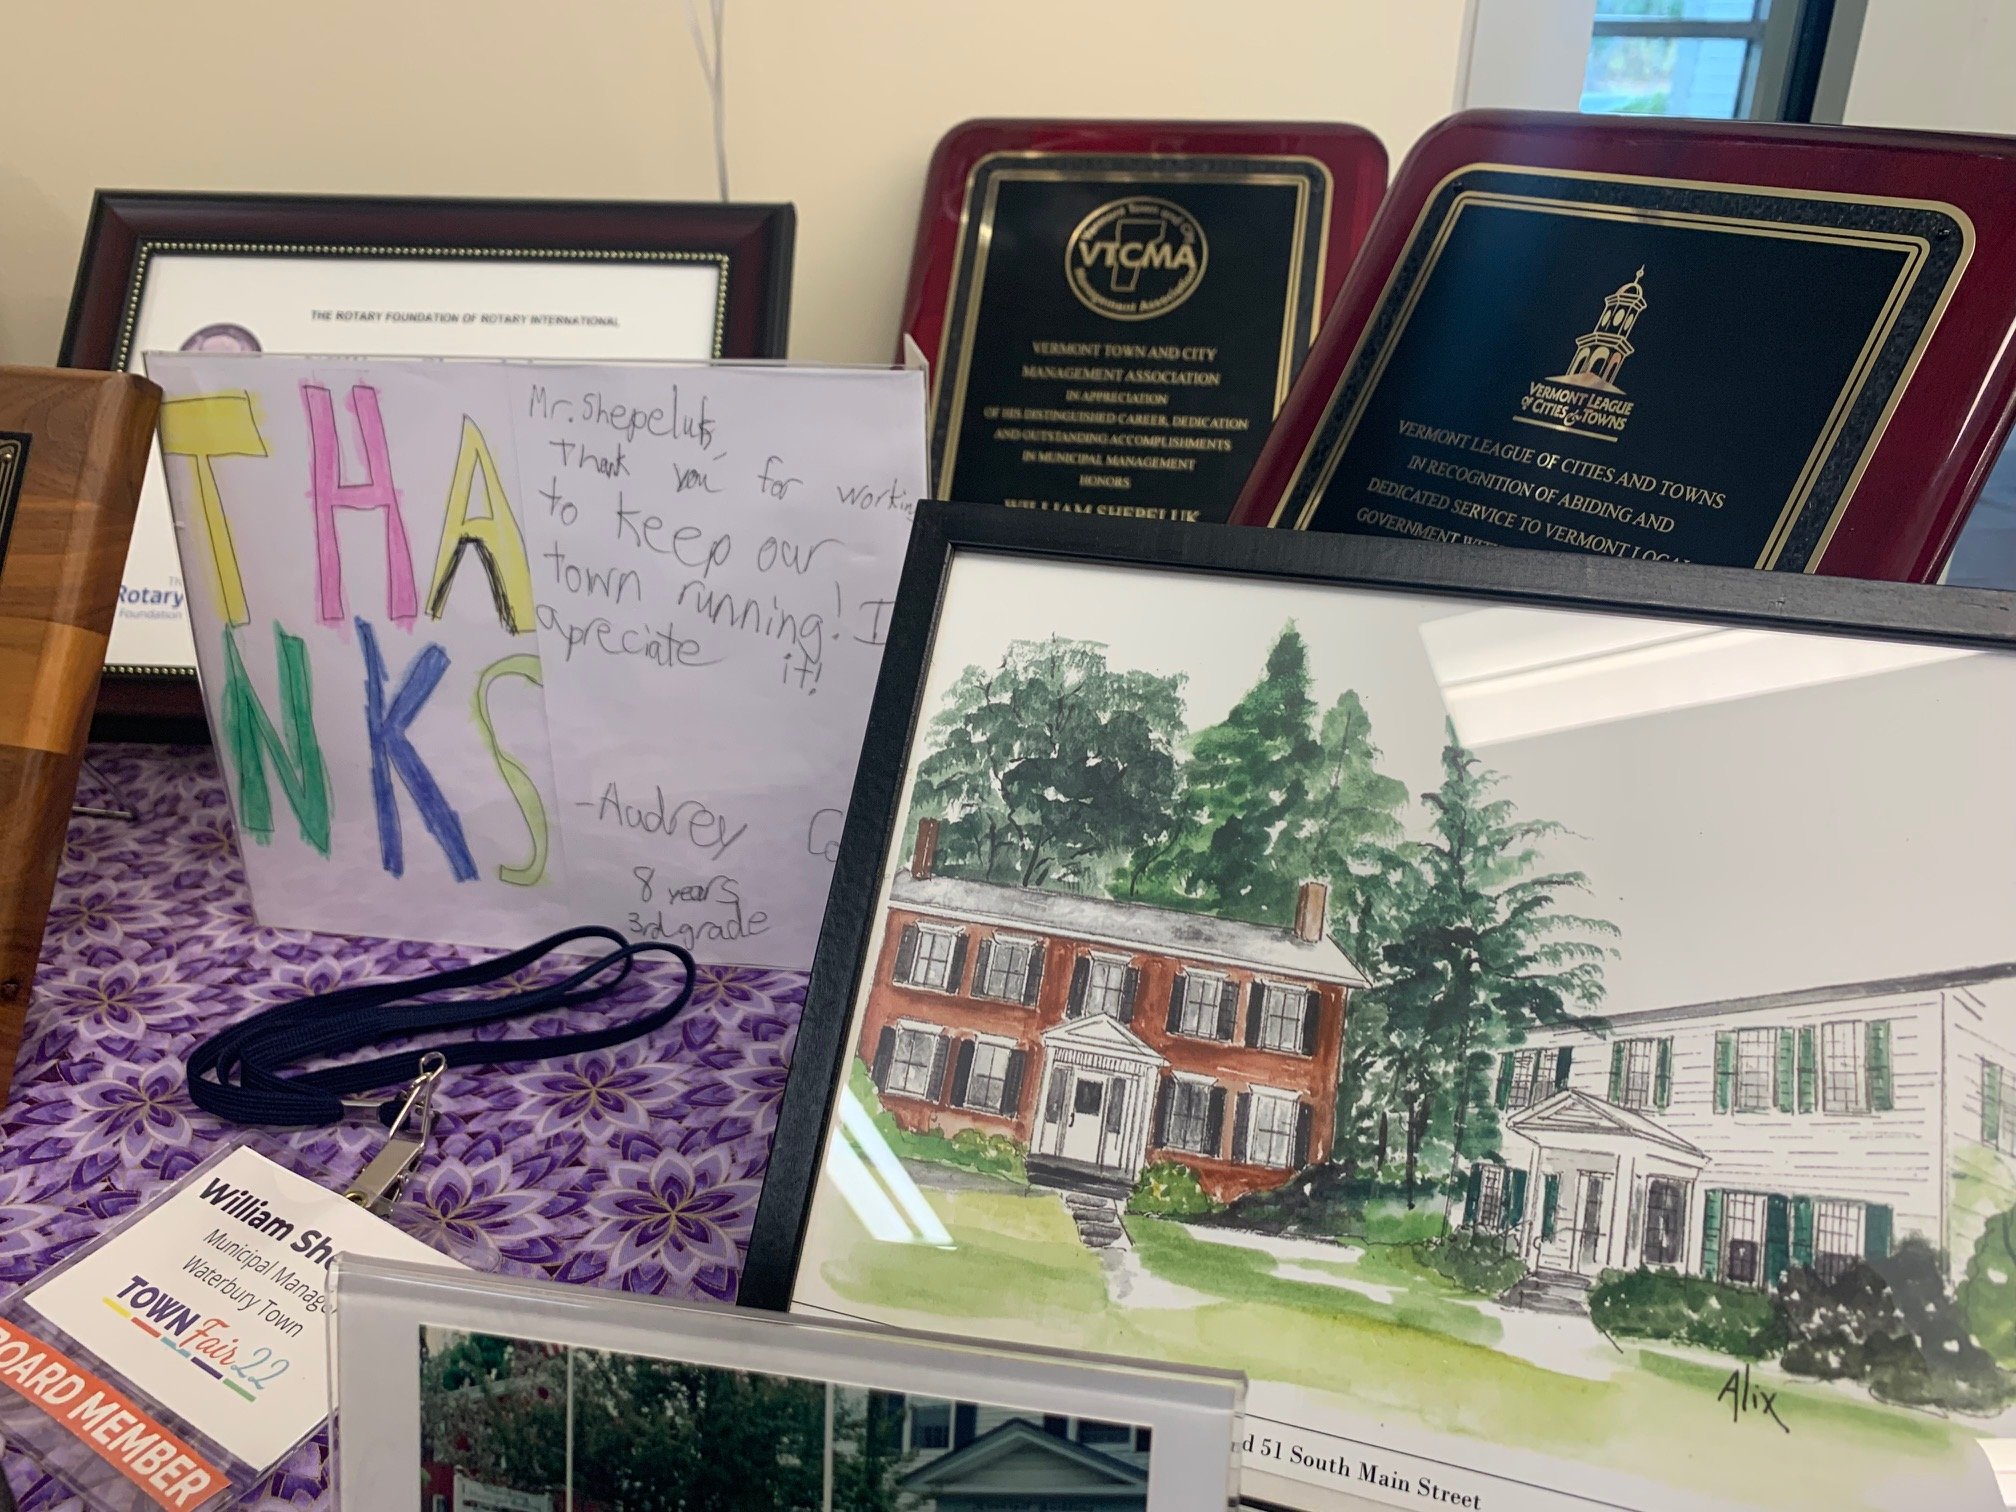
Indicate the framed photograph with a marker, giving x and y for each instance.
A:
(482, 1394)
(366, 276)
(1550, 1023)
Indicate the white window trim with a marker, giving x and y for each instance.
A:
(953, 932)
(1007, 1047)
(1209, 1086)
(1297, 990)
(1035, 945)
(1194, 1076)
(1190, 978)
(1275, 1094)
(914, 1026)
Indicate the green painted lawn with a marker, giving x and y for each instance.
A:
(1018, 1271)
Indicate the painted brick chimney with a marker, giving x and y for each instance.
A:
(1312, 904)
(924, 859)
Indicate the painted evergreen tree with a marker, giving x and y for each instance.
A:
(1483, 955)
(1246, 776)
(1050, 766)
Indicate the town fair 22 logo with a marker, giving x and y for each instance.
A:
(1136, 258)
(1585, 400)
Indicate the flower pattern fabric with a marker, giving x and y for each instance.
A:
(635, 1168)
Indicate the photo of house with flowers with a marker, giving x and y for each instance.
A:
(1251, 1045)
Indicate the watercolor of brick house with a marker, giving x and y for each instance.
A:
(1104, 1036)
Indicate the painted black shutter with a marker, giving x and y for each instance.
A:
(1303, 1121)
(1312, 1016)
(1228, 1010)
(906, 952)
(1242, 1111)
(1011, 1083)
(1130, 990)
(885, 1052)
(1162, 1110)
(1214, 1123)
(962, 1073)
(986, 954)
(1075, 1008)
(1564, 1065)
(957, 972)
(1116, 1104)
(1256, 996)
(1176, 1001)
(964, 1424)
(1033, 984)
(936, 1086)
(1057, 1427)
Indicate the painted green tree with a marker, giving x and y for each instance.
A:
(1049, 767)
(1485, 952)
(1246, 776)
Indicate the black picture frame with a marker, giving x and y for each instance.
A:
(752, 244)
(1724, 596)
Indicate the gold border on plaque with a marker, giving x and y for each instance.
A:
(983, 240)
(1916, 248)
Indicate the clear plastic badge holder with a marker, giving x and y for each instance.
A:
(124, 1444)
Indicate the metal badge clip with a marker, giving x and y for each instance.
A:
(378, 1187)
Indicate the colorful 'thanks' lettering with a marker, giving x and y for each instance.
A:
(386, 724)
(331, 493)
(250, 739)
(202, 429)
(512, 770)
(495, 536)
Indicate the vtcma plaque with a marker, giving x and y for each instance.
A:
(1115, 310)
(1774, 347)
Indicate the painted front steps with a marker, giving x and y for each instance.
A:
(1550, 1291)
(1098, 1220)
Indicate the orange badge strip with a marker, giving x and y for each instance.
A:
(108, 1422)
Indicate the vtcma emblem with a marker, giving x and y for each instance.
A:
(1134, 259)
(1586, 398)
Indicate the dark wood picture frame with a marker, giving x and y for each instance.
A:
(1722, 596)
(752, 244)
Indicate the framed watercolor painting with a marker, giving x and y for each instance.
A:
(369, 276)
(1550, 1023)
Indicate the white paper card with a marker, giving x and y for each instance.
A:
(496, 648)
(214, 1302)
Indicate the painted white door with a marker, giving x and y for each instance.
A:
(1589, 1206)
(1084, 1119)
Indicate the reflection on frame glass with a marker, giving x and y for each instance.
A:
(515, 1425)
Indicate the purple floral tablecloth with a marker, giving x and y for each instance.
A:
(636, 1168)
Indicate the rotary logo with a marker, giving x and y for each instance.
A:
(1586, 398)
(1135, 258)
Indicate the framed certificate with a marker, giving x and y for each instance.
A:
(1368, 970)
(1772, 347)
(1114, 310)
(410, 277)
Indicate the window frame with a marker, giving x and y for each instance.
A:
(1297, 998)
(932, 1035)
(1210, 1009)
(1005, 1048)
(952, 934)
(1786, 41)
(1855, 1228)
(1769, 1039)
(1261, 1097)
(1856, 1034)
(1118, 965)
(1029, 945)
(1181, 1084)
(1635, 1051)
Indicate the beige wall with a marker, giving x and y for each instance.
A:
(833, 104)
(1945, 65)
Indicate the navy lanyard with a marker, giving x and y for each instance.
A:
(236, 1073)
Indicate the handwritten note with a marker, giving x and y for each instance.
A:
(490, 648)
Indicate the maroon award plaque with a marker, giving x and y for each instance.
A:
(1114, 310)
(1782, 347)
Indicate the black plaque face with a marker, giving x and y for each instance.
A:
(13, 468)
(1633, 367)
(1121, 330)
